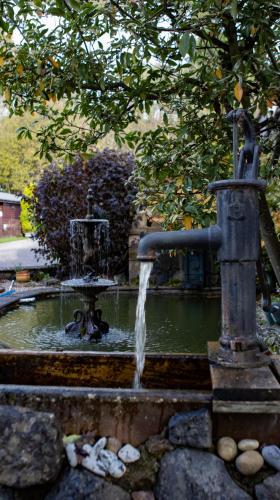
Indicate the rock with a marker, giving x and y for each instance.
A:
(271, 454)
(78, 484)
(113, 444)
(112, 464)
(248, 444)
(226, 448)
(70, 450)
(6, 493)
(128, 454)
(94, 465)
(99, 445)
(194, 474)
(157, 445)
(269, 489)
(91, 461)
(140, 475)
(94, 449)
(142, 495)
(249, 462)
(192, 428)
(31, 447)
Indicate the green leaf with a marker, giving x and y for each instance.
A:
(4, 25)
(74, 4)
(184, 44)
(71, 438)
(233, 9)
(192, 46)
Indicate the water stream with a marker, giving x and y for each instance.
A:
(89, 243)
(140, 323)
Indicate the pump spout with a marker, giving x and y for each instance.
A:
(209, 238)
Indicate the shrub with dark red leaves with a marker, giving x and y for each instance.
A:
(60, 196)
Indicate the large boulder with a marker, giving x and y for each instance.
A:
(191, 428)
(77, 484)
(31, 448)
(194, 474)
(6, 493)
(269, 489)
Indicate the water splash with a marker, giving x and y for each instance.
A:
(89, 245)
(140, 323)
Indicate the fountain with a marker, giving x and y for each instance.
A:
(92, 390)
(89, 247)
(236, 238)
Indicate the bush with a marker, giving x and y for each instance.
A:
(60, 195)
(25, 212)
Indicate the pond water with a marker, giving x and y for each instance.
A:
(175, 323)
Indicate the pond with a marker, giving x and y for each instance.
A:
(175, 323)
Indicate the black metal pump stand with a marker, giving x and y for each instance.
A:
(238, 218)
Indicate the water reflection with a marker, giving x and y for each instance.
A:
(175, 323)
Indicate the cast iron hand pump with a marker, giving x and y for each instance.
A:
(236, 238)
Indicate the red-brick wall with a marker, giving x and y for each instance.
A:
(9, 220)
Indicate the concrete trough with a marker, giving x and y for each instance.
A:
(93, 391)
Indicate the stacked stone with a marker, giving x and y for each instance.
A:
(181, 463)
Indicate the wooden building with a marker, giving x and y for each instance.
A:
(9, 215)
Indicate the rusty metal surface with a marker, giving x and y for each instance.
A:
(80, 369)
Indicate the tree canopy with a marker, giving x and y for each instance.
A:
(107, 62)
(19, 165)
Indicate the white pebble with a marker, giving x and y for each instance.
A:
(128, 454)
(70, 450)
(96, 466)
(112, 464)
(99, 445)
(248, 444)
(87, 448)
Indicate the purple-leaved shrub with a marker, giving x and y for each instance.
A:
(60, 195)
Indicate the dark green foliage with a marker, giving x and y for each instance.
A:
(60, 196)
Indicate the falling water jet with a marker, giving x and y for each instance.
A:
(140, 323)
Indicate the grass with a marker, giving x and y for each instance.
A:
(7, 239)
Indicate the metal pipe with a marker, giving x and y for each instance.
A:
(209, 239)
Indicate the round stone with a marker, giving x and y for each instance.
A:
(128, 454)
(271, 454)
(248, 444)
(226, 448)
(249, 462)
(112, 464)
(114, 444)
